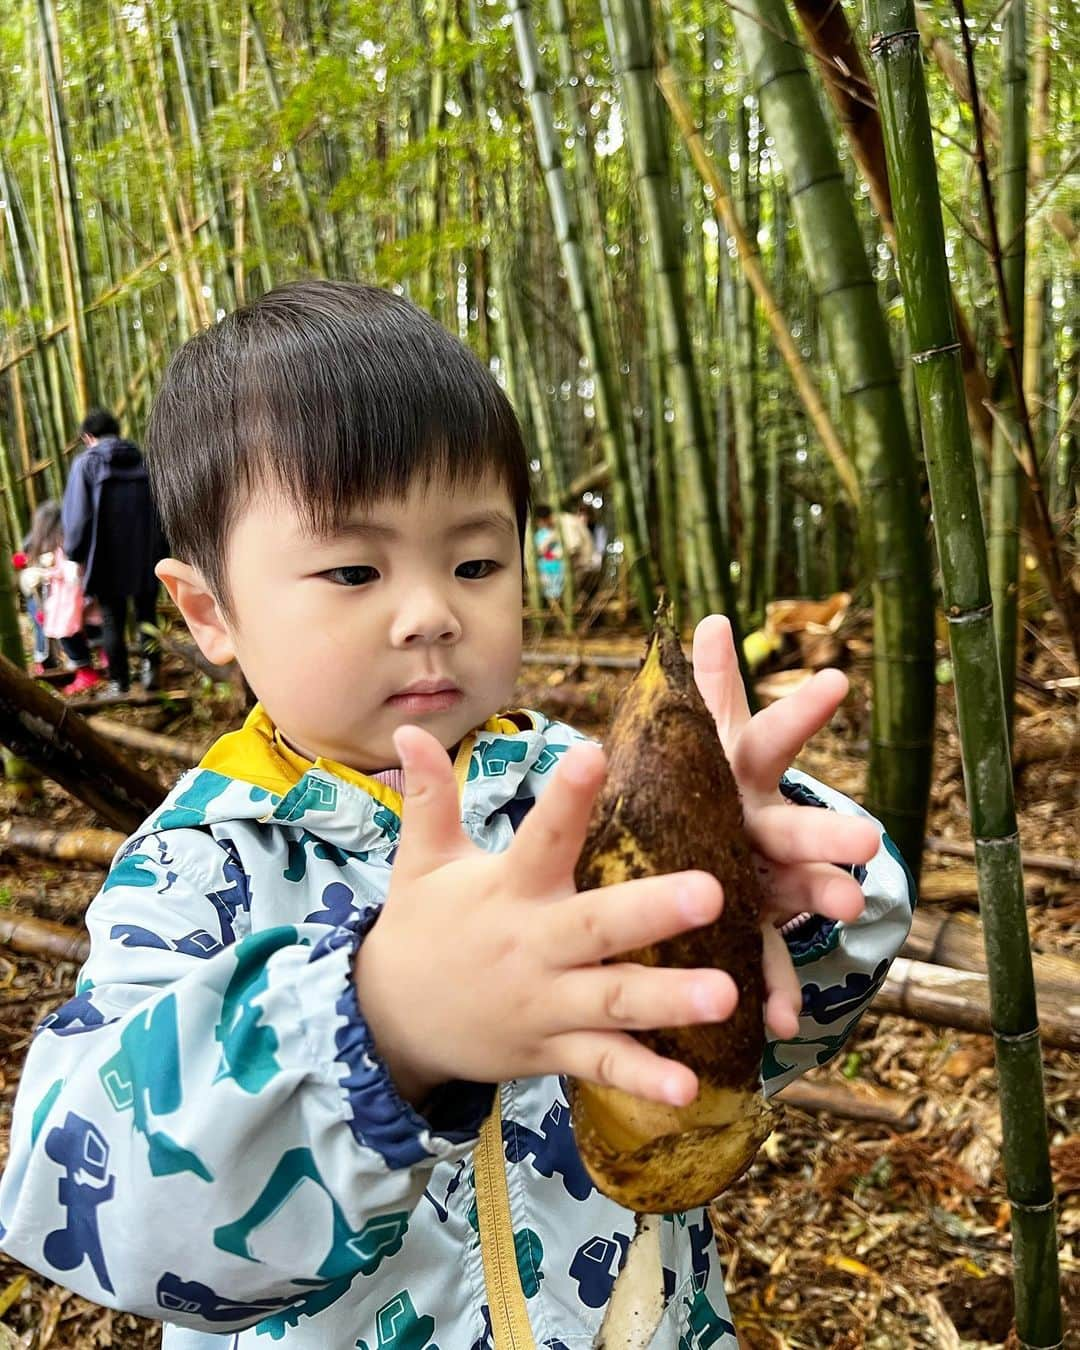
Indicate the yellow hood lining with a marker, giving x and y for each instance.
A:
(259, 754)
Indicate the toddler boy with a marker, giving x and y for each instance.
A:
(257, 1118)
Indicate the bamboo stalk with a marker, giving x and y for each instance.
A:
(1039, 130)
(832, 42)
(74, 266)
(631, 46)
(980, 702)
(1041, 527)
(188, 289)
(750, 258)
(1006, 478)
(893, 527)
(300, 187)
(744, 383)
(583, 297)
(38, 375)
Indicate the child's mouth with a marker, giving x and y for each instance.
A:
(429, 698)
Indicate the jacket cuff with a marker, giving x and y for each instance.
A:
(379, 1117)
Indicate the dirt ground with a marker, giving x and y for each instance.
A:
(844, 1234)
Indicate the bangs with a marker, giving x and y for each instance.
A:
(337, 415)
(337, 395)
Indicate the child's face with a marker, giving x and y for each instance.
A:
(410, 614)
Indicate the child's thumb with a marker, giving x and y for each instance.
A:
(431, 830)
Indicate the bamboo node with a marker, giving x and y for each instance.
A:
(978, 614)
(932, 353)
(1017, 1037)
(999, 841)
(1044, 1208)
(800, 188)
(883, 43)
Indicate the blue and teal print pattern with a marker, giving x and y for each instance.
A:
(206, 1133)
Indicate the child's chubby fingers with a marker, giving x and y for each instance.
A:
(616, 1060)
(628, 997)
(593, 926)
(546, 847)
(783, 993)
(815, 888)
(807, 834)
(431, 832)
(776, 734)
(716, 674)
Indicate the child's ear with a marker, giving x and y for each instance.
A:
(201, 612)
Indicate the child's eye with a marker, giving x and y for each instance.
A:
(351, 576)
(476, 568)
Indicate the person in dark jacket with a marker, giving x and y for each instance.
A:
(111, 528)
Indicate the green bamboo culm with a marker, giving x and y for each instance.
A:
(1006, 475)
(892, 524)
(629, 514)
(980, 704)
(634, 61)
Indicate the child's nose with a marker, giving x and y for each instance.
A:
(424, 618)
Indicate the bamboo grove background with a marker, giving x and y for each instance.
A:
(668, 227)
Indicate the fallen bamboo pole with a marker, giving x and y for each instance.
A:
(961, 999)
(137, 738)
(40, 937)
(44, 729)
(130, 698)
(1037, 862)
(956, 940)
(95, 846)
(883, 1107)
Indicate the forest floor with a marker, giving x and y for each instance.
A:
(844, 1234)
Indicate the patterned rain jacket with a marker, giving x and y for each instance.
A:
(205, 1134)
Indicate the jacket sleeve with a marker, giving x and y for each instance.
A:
(208, 1095)
(840, 965)
(77, 511)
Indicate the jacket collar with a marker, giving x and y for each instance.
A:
(251, 774)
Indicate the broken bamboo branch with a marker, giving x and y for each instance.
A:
(39, 726)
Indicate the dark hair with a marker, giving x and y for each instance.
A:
(45, 530)
(340, 394)
(541, 510)
(99, 422)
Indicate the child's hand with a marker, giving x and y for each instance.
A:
(797, 845)
(488, 966)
